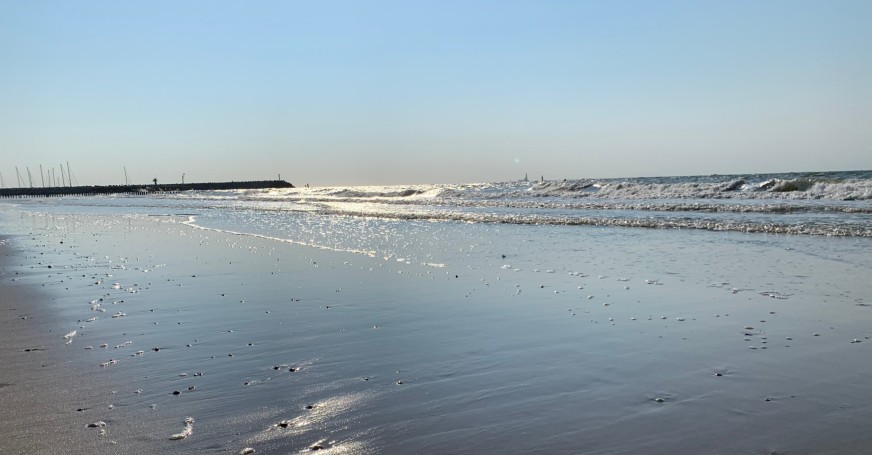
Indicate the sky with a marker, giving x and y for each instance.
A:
(403, 92)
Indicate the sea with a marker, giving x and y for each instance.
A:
(429, 223)
(371, 219)
(690, 314)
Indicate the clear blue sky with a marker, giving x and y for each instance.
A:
(383, 92)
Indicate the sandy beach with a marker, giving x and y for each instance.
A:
(118, 329)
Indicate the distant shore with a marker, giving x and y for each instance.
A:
(141, 189)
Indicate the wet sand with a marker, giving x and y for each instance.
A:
(27, 348)
(283, 349)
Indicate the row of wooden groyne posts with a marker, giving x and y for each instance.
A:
(58, 191)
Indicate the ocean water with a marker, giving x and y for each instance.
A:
(718, 314)
(384, 220)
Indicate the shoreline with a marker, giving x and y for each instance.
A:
(289, 347)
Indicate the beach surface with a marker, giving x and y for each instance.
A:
(144, 334)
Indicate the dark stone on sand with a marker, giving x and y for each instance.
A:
(310, 406)
(316, 447)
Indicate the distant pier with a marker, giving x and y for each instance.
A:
(139, 189)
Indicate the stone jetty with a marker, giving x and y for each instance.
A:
(139, 189)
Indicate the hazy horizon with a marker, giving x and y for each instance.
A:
(390, 92)
(37, 183)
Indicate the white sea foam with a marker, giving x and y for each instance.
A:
(831, 203)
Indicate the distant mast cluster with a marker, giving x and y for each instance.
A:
(65, 180)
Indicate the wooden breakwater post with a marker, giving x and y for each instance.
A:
(139, 189)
